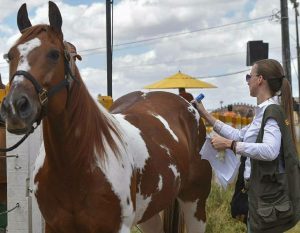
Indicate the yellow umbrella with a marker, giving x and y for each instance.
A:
(179, 80)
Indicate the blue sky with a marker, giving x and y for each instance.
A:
(206, 52)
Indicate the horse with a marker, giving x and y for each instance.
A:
(102, 171)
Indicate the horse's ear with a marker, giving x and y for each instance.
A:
(55, 17)
(22, 19)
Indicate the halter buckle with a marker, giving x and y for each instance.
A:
(43, 96)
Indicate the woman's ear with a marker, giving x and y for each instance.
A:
(261, 79)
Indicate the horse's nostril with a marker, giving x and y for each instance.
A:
(23, 106)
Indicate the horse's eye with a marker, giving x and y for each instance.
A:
(53, 55)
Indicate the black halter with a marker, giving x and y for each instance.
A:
(44, 94)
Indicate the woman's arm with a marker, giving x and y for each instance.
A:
(221, 128)
(269, 149)
(205, 114)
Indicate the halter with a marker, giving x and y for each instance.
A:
(44, 94)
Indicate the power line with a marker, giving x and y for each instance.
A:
(222, 75)
(180, 33)
(171, 35)
(137, 45)
(193, 31)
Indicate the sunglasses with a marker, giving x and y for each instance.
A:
(248, 77)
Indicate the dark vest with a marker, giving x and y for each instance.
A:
(274, 194)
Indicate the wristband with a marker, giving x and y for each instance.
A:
(233, 146)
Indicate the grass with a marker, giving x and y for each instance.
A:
(219, 219)
(218, 212)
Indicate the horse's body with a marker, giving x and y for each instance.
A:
(102, 172)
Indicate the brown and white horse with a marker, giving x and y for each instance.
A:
(102, 172)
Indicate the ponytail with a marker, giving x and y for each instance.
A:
(287, 105)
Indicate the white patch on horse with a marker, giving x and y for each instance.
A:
(160, 183)
(174, 170)
(142, 203)
(194, 112)
(166, 124)
(12, 106)
(137, 148)
(144, 95)
(39, 163)
(18, 79)
(124, 229)
(166, 149)
(192, 223)
(118, 169)
(134, 141)
(24, 50)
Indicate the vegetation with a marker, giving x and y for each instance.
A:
(219, 219)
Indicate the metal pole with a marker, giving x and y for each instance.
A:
(296, 4)
(286, 54)
(108, 48)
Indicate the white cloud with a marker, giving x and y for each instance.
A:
(202, 53)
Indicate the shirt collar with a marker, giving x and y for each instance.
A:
(261, 106)
(272, 100)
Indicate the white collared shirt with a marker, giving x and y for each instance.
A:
(246, 137)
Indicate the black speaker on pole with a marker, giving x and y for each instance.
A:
(256, 50)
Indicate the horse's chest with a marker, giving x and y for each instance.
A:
(85, 206)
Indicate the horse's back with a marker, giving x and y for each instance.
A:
(125, 102)
(157, 101)
(166, 116)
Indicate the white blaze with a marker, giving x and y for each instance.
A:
(24, 50)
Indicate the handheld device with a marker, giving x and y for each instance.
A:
(199, 97)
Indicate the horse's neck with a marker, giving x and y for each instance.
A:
(72, 137)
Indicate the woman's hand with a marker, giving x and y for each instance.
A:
(201, 109)
(220, 143)
(203, 113)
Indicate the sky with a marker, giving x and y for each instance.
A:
(154, 39)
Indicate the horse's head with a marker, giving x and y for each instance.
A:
(39, 69)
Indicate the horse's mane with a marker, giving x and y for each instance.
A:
(97, 125)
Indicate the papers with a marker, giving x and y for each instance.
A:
(225, 164)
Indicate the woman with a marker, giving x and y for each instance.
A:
(268, 84)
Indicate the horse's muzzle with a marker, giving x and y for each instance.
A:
(18, 113)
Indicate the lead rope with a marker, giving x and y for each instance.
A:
(12, 209)
(21, 140)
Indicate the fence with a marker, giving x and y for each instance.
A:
(24, 215)
(235, 121)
